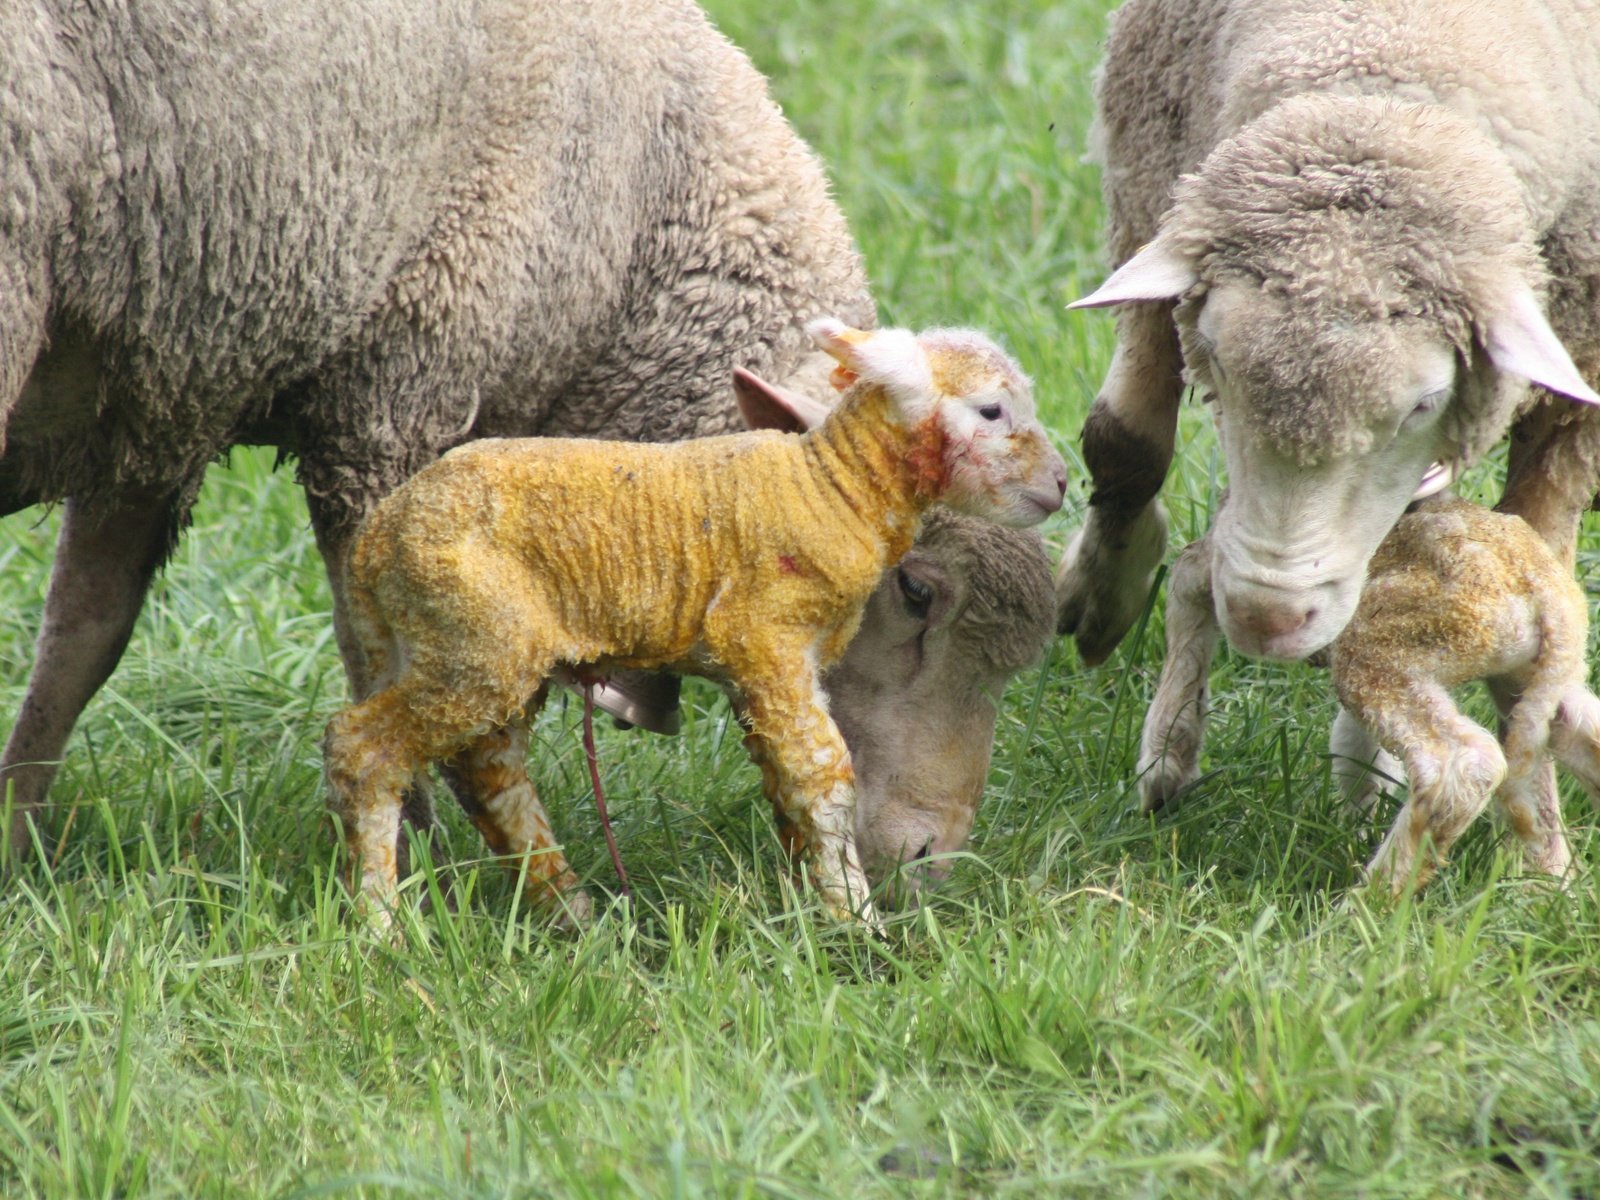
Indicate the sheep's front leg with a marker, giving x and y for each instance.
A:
(490, 779)
(1360, 765)
(1453, 767)
(103, 566)
(1109, 566)
(808, 776)
(1175, 725)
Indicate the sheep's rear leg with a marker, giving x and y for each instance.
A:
(808, 776)
(1453, 766)
(490, 779)
(1107, 571)
(1175, 724)
(103, 566)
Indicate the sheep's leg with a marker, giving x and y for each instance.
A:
(807, 774)
(1360, 765)
(1553, 472)
(103, 566)
(1174, 726)
(1108, 569)
(1452, 764)
(490, 779)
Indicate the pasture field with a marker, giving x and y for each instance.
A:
(1098, 1004)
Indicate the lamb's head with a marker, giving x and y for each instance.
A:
(994, 459)
(917, 693)
(1358, 294)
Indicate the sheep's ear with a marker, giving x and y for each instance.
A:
(891, 357)
(765, 405)
(1158, 272)
(1519, 341)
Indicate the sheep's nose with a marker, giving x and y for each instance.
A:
(1268, 620)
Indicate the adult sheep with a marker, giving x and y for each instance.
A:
(1366, 226)
(363, 233)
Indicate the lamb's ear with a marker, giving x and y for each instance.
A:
(891, 357)
(1519, 341)
(1158, 272)
(765, 405)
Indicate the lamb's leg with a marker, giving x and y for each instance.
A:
(808, 776)
(1175, 725)
(1360, 765)
(1529, 797)
(1452, 764)
(335, 532)
(104, 563)
(370, 754)
(490, 779)
(1575, 736)
(1107, 571)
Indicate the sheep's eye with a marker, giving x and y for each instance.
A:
(990, 412)
(918, 595)
(1429, 403)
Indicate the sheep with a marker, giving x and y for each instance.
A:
(747, 558)
(1457, 593)
(1363, 229)
(1454, 593)
(363, 233)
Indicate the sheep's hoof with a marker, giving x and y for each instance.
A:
(1103, 583)
(1162, 779)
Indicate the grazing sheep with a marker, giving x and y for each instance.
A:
(1366, 226)
(1455, 593)
(746, 558)
(365, 232)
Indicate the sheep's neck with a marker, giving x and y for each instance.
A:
(884, 473)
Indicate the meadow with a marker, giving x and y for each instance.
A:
(1098, 1004)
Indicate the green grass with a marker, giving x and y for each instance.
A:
(1098, 1004)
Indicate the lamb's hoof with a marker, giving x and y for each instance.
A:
(570, 910)
(1162, 780)
(1101, 587)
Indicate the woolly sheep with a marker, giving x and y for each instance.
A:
(1376, 220)
(365, 232)
(1455, 593)
(748, 558)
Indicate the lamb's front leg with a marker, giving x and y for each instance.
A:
(1175, 725)
(808, 776)
(1107, 571)
(1452, 764)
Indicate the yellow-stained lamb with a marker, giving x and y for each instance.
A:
(745, 558)
(1457, 593)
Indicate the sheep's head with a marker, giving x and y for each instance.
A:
(917, 693)
(1358, 293)
(996, 461)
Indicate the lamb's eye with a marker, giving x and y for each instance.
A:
(918, 596)
(991, 412)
